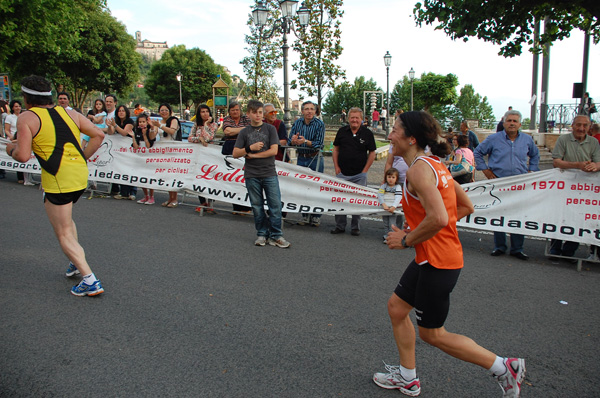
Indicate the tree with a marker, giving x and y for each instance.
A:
(429, 91)
(139, 94)
(199, 74)
(471, 105)
(107, 60)
(264, 55)
(319, 46)
(510, 23)
(101, 58)
(346, 95)
(41, 24)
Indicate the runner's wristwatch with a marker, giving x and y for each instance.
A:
(403, 242)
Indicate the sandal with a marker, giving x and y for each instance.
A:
(172, 205)
(165, 204)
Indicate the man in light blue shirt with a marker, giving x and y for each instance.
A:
(510, 153)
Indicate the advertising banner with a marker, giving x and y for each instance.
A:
(561, 204)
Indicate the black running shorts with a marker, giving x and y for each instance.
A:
(428, 289)
(60, 199)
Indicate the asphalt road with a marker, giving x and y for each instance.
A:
(193, 309)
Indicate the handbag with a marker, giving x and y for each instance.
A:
(464, 167)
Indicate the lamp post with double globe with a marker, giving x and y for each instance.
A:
(284, 25)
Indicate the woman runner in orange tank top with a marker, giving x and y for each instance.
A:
(432, 204)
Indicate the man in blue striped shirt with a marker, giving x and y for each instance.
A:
(308, 134)
(510, 153)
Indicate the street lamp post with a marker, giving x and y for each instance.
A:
(411, 74)
(179, 77)
(387, 59)
(285, 26)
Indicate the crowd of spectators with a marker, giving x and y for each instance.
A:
(307, 135)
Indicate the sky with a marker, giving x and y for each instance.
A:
(369, 29)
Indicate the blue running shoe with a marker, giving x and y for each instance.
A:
(72, 270)
(87, 290)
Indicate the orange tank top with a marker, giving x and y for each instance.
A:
(444, 250)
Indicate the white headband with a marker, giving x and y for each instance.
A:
(33, 92)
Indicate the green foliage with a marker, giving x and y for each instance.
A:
(429, 91)
(51, 25)
(346, 95)
(264, 55)
(471, 105)
(139, 95)
(400, 96)
(199, 74)
(107, 59)
(93, 53)
(436, 94)
(237, 85)
(508, 22)
(319, 46)
(433, 89)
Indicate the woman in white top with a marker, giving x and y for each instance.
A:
(168, 127)
(10, 123)
(10, 129)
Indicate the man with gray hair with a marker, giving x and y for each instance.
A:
(353, 154)
(270, 114)
(510, 152)
(578, 151)
(308, 134)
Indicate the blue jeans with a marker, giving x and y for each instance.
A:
(341, 221)
(127, 190)
(567, 249)
(269, 227)
(516, 242)
(315, 164)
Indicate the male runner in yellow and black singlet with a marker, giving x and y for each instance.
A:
(52, 133)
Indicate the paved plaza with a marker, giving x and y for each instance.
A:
(193, 309)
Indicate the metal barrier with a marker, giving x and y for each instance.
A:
(561, 116)
(593, 258)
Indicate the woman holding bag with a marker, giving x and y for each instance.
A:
(463, 164)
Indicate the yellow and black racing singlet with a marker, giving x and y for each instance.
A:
(56, 146)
